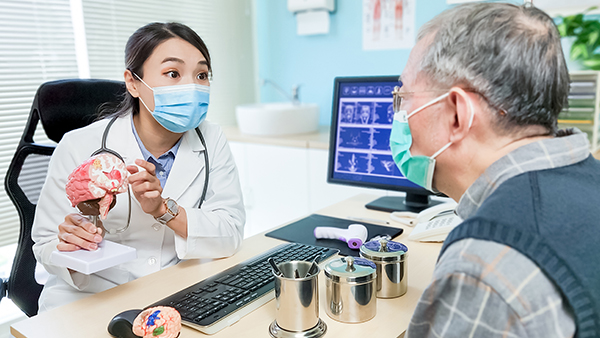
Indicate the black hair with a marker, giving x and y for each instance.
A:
(138, 49)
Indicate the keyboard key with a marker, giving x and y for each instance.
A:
(221, 279)
(247, 286)
(235, 298)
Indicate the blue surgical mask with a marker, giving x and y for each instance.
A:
(179, 108)
(417, 169)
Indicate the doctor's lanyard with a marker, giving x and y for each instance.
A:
(105, 149)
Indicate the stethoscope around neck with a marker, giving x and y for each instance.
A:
(105, 149)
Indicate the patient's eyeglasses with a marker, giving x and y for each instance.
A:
(398, 96)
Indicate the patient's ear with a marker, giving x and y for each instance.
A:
(130, 83)
(464, 105)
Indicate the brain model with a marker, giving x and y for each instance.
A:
(93, 185)
(157, 322)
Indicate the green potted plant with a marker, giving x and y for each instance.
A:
(585, 35)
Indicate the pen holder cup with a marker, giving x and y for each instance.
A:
(297, 296)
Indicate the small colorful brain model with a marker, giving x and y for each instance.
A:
(158, 322)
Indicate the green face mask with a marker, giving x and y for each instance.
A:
(417, 169)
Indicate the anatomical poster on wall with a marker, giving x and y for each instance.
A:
(388, 24)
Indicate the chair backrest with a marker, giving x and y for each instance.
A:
(61, 106)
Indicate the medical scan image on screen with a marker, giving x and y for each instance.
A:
(362, 150)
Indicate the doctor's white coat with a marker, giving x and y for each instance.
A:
(214, 231)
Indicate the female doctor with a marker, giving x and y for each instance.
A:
(154, 130)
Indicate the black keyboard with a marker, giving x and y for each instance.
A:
(221, 300)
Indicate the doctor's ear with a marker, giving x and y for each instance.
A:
(130, 83)
(464, 105)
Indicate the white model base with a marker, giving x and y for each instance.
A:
(107, 255)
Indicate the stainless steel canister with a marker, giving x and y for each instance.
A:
(390, 259)
(297, 295)
(350, 287)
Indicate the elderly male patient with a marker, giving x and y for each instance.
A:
(479, 102)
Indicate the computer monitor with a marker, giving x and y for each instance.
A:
(359, 146)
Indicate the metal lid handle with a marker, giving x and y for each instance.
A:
(384, 247)
(350, 267)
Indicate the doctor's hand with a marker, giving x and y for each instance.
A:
(77, 232)
(146, 187)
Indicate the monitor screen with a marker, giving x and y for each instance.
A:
(359, 149)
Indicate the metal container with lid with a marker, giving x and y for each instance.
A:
(350, 289)
(390, 259)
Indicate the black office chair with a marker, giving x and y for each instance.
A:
(61, 106)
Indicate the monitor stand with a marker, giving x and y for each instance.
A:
(412, 202)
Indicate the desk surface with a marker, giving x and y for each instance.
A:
(89, 317)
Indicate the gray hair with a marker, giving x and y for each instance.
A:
(511, 55)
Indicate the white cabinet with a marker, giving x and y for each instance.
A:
(274, 182)
(281, 184)
(322, 194)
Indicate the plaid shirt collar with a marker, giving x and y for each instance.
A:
(544, 154)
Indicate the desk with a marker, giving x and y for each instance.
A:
(90, 316)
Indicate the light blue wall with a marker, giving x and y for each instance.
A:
(314, 61)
